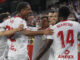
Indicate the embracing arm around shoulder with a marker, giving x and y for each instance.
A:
(39, 32)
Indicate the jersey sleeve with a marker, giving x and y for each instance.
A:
(3, 24)
(25, 24)
(33, 28)
(20, 21)
(45, 37)
(78, 27)
(49, 37)
(2, 29)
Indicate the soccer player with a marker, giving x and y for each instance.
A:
(39, 42)
(64, 46)
(53, 19)
(3, 41)
(64, 38)
(17, 42)
(3, 36)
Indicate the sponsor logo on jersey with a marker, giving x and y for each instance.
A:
(66, 55)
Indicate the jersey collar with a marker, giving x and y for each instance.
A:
(63, 20)
(19, 16)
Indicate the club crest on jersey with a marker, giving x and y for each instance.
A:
(66, 55)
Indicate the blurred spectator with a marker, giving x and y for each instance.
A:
(14, 14)
(72, 17)
(13, 4)
(2, 1)
(4, 16)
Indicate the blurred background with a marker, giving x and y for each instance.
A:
(37, 5)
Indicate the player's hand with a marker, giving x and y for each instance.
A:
(20, 27)
(48, 31)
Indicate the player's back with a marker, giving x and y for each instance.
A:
(64, 46)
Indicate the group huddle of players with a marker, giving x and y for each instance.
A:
(60, 39)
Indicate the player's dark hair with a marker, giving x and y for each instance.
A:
(21, 5)
(51, 11)
(64, 12)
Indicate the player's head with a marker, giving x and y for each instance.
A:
(53, 17)
(64, 13)
(44, 21)
(23, 8)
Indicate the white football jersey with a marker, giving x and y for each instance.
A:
(65, 43)
(18, 42)
(3, 43)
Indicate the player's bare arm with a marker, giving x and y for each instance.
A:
(10, 32)
(44, 49)
(40, 32)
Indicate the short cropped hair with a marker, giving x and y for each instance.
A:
(21, 6)
(64, 12)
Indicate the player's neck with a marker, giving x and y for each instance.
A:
(61, 18)
(21, 16)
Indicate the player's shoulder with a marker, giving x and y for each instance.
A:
(17, 18)
(74, 23)
(6, 21)
(71, 22)
(63, 23)
(2, 29)
(53, 26)
(33, 28)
